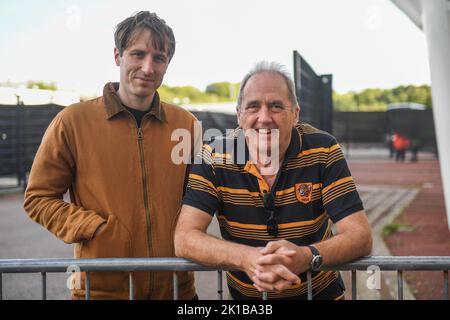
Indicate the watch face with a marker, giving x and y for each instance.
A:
(316, 262)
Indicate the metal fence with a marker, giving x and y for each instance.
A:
(314, 94)
(130, 265)
(21, 131)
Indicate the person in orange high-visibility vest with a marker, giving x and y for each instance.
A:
(401, 144)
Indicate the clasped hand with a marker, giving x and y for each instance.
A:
(276, 266)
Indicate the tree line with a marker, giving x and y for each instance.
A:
(214, 92)
(365, 100)
(379, 99)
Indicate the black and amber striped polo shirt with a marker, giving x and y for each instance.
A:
(314, 188)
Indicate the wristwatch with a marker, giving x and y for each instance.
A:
(316, 261)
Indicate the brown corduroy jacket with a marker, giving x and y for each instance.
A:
(116, 174)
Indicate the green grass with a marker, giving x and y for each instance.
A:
(397, 227)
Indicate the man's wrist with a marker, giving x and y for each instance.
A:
(246, 261)
(316, 261)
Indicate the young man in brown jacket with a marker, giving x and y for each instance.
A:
(113, 154)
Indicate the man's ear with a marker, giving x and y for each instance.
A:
(117, 56)
(297, 112)
(238, 114)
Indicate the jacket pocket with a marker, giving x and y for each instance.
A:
(113, 242)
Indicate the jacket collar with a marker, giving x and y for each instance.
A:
(113, 105)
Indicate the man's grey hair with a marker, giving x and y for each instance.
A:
(272, 67)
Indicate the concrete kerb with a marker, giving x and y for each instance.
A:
(9, 186)
(10, 191)
(380, 248)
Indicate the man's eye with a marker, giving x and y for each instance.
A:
(160, 59)
(276, 107)
(251, 107)
(137, 54)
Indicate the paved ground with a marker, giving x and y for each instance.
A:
(22, 238)
(385, 187)
(422, 228)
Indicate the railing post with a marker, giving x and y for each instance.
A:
(175, 286)
(88, 286)
(219, 285)
(400, 284)
(309, 283)
(445, 284)
(354, 292)
(44, 285)
(131, 285)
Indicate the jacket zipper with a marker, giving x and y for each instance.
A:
(146, 205)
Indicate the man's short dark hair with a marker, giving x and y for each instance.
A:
(162, 35)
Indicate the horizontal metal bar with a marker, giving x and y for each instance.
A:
(422, 263)
(110, 264)
(178, 264)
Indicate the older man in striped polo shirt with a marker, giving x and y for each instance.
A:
(276, 186)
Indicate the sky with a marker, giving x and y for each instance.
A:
(363, 43)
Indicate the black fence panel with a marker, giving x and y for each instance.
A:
(360, 126)
(21, 131)
(220, 121)
(376, 127)
(314, 94)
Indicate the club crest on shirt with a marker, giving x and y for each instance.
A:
(303, 191)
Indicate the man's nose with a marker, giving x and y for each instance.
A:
(147, 65)
(265, 115)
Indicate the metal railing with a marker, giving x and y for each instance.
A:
(130, 265)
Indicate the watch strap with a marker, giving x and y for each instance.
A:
(314, 251)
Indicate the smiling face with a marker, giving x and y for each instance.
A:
(266, 106)
(142, 69)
